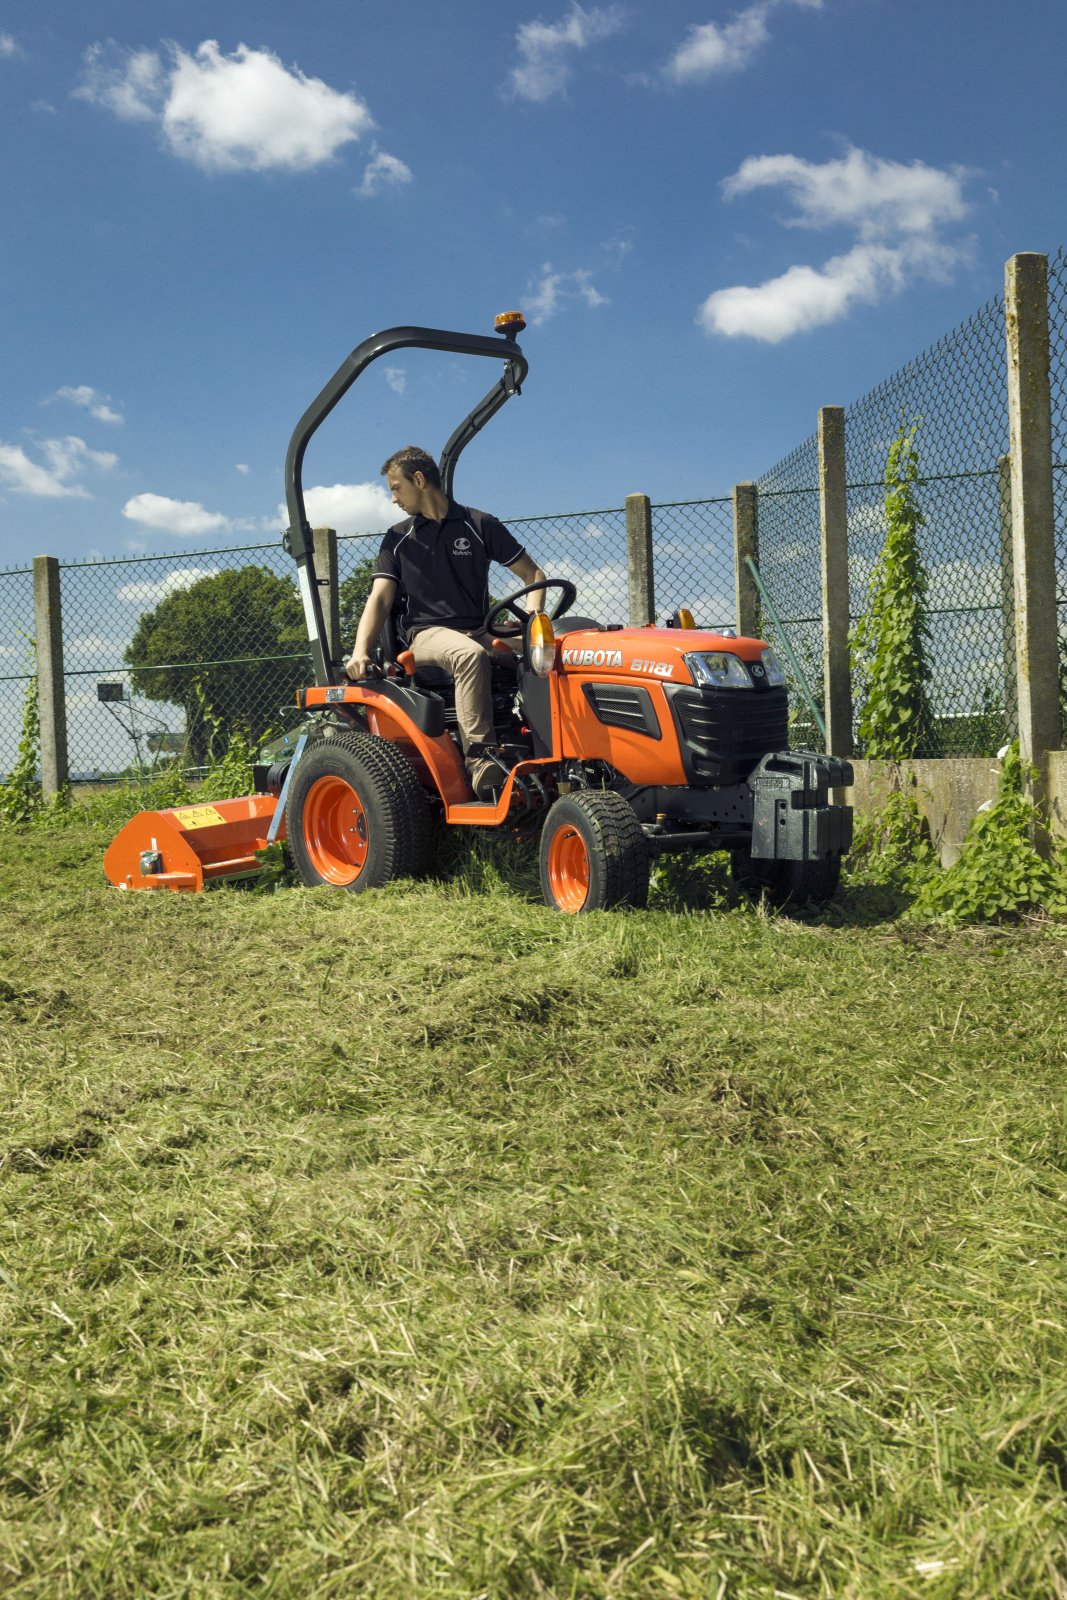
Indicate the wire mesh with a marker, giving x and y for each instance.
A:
(955, 396)
(166, 656)
(693, 560)
(789, 543)
(1057, 317)
(16, 659)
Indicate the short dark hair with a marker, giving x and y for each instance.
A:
(412, 459)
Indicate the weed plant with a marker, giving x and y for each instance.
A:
(425, 1242)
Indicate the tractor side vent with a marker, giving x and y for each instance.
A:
(620, 706)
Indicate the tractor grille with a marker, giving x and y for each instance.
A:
(620, 706)
(726, 731)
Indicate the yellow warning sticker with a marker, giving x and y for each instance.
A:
(198, 816)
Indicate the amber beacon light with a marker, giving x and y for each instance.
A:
(509, 322)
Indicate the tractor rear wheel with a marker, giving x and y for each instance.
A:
(786, 883)
(593, 854)
(356, 816)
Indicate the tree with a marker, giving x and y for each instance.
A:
(231, 649)
(890, 642)
(352, 597)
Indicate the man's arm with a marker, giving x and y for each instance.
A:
(529, 572)
(378, 606)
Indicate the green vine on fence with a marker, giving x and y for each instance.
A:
(20, 794)
(889, 644)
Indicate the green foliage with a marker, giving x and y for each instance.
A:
(20, 794)
(890, 640)
(352, 597)
(230, 650)
(1000, 874)
(891, 847)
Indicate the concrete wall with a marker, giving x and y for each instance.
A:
(949, 793)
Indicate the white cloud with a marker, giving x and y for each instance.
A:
(712, 47)
(243, 468)
(98, 405)
(553, 289)
(239, 112)
(150, 593)
(348, 507)
(66, 459)
(878, 198)
(546, 49)
(182, 517)
(397, 379)
(383, 171)
(897, 211)
(8, 46)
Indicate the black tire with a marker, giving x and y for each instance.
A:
(786, 883)
(593, 854)
(355, 816)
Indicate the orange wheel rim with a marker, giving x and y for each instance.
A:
(568, 869)
(335, 830)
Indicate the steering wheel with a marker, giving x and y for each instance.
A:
(500, 630)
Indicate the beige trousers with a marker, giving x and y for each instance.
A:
(466, 657)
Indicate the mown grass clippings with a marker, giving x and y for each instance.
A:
(428, 1242)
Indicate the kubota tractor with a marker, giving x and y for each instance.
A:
(623, 742)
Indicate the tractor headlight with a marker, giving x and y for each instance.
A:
(772, 667)
(717, 670)
(542, 645)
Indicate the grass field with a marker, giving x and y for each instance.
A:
(428, 1244)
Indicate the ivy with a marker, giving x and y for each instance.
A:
(890, 641)
(20, 795)
(892, 847)
(999, 874)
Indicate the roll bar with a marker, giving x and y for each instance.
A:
(297, 537)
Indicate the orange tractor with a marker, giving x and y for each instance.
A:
(621, 743)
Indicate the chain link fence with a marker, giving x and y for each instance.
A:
(693, 560)
(16, 658)
(1057, 318)
(165, 655)
(955, 396)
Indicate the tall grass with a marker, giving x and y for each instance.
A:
(427, 1243)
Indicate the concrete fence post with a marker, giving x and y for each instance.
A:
(746, 543)
(1007, 596)
(51, 689)
(640, 584)
(1032, 527)
(324, 555)
(833, 521)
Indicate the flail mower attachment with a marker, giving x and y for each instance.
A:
(187, 847)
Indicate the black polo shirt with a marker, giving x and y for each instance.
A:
(442, 568)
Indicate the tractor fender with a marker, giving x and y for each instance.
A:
(411, 719)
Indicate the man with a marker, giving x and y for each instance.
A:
(437, 560)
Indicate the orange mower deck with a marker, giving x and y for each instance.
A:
(186, 847)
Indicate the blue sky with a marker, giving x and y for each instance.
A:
(716, 217)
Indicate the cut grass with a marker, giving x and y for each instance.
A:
(426, 1242)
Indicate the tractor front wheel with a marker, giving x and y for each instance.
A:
(593, 854)
(786, 883)
(355, 815)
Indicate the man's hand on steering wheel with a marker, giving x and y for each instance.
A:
(500, 630)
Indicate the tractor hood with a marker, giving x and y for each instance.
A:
(656, 653)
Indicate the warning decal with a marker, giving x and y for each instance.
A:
(198, 816)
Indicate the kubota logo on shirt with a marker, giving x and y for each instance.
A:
(462, 546)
